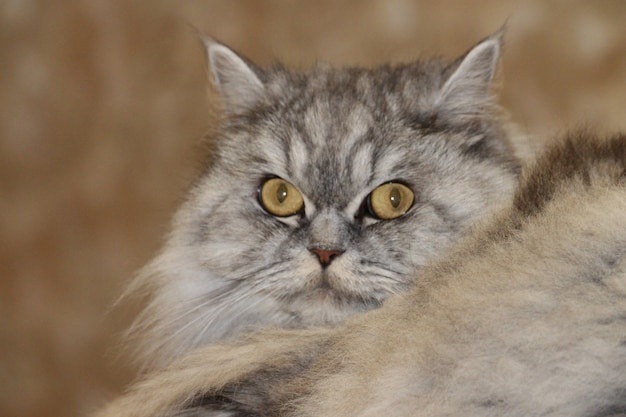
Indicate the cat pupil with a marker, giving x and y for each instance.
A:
(395, 197)
(281, 193)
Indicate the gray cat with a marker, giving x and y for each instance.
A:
(328, 189)
(525, 316)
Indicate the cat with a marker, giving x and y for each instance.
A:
(526, 316)
(327, 191)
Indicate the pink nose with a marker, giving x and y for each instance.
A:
(326, 256)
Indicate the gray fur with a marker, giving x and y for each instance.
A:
(336, 134)
(525, 316)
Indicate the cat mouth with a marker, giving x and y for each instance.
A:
(324, 282)
(323, 306)
(325, 300)
(328, 285)
(326, 288)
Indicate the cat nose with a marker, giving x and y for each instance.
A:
(326, 256)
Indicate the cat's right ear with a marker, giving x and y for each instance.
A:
(236, 79)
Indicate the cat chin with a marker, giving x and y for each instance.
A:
(324, 306)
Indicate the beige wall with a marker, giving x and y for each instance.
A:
(101, 103)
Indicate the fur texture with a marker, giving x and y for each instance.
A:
(229, 266)
(526, 316)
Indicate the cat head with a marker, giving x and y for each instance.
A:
(327, 192)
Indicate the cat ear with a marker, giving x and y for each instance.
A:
(465, 93)
(235, 78)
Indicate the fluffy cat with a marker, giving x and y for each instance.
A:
(329, 189)
(525, 317)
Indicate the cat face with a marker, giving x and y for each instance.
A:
(327, 193)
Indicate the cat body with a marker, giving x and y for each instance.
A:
(525, 316)
(287, 226)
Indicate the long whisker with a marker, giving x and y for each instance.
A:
(244, 308)
(235, 296)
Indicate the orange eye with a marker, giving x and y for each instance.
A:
(280, 198)
(390, 200)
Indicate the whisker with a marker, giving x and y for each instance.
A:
(181, 329)
(381, 265)
(213, 296)
(244, 289)
(236, 275)
(251, 290)
(241, 311)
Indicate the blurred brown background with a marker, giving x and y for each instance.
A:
(102, 103)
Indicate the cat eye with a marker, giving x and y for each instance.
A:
(390, 201)
(280, 198)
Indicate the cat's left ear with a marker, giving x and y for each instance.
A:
(466, 91)
(236, 79)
